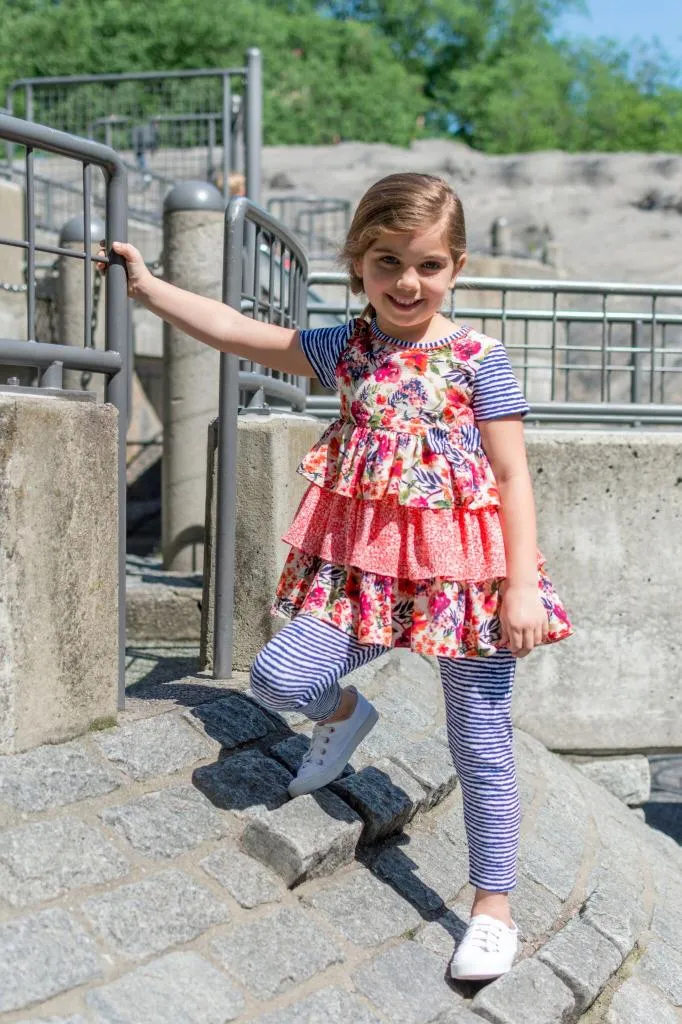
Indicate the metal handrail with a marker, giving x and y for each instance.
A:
(114, 361)
(245, 225)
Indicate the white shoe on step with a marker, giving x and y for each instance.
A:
(486, 951)
(331, 748)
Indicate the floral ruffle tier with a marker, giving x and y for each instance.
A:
(398, 540)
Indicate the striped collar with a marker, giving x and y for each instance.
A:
(437, 343)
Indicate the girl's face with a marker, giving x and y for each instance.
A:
(407, 276)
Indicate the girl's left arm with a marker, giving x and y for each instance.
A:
(522, 614)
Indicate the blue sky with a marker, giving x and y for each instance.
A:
(624, 19)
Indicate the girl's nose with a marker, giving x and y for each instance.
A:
(409, 279)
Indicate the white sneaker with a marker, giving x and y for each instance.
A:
(331, 748)
(486, 951)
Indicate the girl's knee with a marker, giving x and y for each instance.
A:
(264, 682)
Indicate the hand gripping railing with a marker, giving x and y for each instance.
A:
(52, 359)
(264, 274)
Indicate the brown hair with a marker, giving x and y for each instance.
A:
(402, 202)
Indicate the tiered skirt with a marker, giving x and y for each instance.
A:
(396, 575)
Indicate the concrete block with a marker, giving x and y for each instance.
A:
(161, 611)
(13, 226)
(307, 837)
(628, 778)
(608, 506)
(287, 943)
(179, 986)
(58, 569)
(173, 907)
(268, 493)
(583, 959)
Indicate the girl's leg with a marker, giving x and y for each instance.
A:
(299, 669)
(478, 695)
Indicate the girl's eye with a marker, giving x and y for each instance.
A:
(432, 265)
(389, 259)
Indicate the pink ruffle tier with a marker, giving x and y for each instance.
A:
(391, 539)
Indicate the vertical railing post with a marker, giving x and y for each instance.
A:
(226, 508)
(253, 124)
(116, 339)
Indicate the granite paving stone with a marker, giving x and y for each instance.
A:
(552, 854)
(384, 740)
(458, 1016)
(248, 881)
(168, 822)
(614, 909)
(42, 955)
(583, 959)
(534, 909)
(422, 868)
(666, 921)
(45, 859)
(431, 764)
(404, 713)
(232, 720)
(244, 783)
(155, 746)
(364, 909)
(662, 966)
(276, 952)
(312, 835)
(53, 776)
(181, 987)
(627, 778)
(172, 906)
(635, 1003)
(407, 984)
(329, 1006)
(443, 935)
(55, 1020)
(530, 993)
(384, 795)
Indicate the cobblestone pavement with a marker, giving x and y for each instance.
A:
(157, 873)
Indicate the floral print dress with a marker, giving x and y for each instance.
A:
(397, 540)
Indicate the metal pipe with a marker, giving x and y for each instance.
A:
(253, 123)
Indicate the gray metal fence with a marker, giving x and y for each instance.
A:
(167, 126)
(264, 275)
(50, 360)
(583, 351)
(320, 222)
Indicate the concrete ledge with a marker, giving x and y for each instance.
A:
(58, 569)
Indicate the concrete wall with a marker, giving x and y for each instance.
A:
(58, 569)
(610, 517)
(609, 525)
(269, 490)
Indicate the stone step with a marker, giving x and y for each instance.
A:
(161, 605)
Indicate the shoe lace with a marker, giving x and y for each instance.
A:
(485, 936)
(318, 745)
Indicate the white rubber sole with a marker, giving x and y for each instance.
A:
(299, 787)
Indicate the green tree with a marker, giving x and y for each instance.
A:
(323, 79)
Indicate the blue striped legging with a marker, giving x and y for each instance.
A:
(300, 669)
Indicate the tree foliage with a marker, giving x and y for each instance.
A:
(489, 72)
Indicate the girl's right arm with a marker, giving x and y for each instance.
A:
(213, 322)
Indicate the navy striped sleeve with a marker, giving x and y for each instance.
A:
(496, 391)
(322, 347)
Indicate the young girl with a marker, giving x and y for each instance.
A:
(418, 527)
